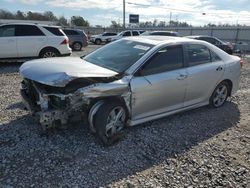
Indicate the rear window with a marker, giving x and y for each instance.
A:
(70, 32)
(135, 33)
(109, 34)
(28, 30)
(54, 30)
(198, 54)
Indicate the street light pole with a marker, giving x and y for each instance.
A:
(124, 14)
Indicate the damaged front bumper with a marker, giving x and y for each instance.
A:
(53, 109)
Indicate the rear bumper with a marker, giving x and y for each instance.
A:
(65, 50)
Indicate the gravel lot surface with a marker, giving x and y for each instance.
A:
(201, 148)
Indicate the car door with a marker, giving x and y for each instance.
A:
(135, 33)
(205, 69)
(105, 36)
(8, 42)
(127, 34)
(160, 84)
(30, 39)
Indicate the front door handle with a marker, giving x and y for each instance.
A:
(219, 68)
(182, 77)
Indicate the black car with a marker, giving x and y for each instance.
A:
(227, 47)
(161, 33)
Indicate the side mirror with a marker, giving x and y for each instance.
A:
(138, 73)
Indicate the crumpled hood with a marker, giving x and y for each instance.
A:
(60, 71)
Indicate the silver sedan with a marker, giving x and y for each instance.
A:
(129, 82)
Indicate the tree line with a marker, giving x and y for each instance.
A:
(45, 16)
(80, 21)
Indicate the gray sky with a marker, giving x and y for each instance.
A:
(101, 12)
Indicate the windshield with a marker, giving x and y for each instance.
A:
(121, 33)
(118, 56)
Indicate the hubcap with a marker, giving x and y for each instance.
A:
(115, 121)
(49, 54)
(98, 42)
(77, 46)
(220, 96)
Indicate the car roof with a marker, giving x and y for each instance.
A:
(162, 31)
(109, 32)
(198, 36)
(43, 25)
(155, 40)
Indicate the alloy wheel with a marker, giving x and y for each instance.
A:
(220, 95)
(115, 121)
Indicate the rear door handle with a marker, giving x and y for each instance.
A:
(219, 68)
(182, 77)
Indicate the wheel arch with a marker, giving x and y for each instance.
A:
(77, 42)
(48, 48)
(230, 84)
(96, 103)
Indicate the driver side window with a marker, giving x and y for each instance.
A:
(126, 34)
(166, 59)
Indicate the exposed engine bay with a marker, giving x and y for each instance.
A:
(55, 106)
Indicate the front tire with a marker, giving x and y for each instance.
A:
(219, 95)
(98, 41)
(109, 122)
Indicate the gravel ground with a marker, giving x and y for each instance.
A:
(200, 148)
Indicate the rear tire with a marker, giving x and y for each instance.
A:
(77, 46)
(109, 122)
(49, 52)
(219, 95)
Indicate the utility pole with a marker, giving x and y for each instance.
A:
(124, 14)
(170, 18)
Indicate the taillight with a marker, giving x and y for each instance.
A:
(242, 62)
(65, 41)
(85, 35)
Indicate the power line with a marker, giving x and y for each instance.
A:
(191, 11)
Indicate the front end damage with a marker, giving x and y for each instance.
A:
(55, 106)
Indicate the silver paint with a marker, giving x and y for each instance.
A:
(60, 71)
(146, 97)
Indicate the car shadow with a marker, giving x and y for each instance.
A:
(10, 67)
(76, 153)
(18, 105)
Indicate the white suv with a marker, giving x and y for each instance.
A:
(122, 34)
(98, 39)
(32, 40)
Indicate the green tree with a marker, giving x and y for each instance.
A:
(63, 21)
(49, 16)
(20, 15)
(79, 21)
(4, 14)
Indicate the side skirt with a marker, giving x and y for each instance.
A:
(157, 116)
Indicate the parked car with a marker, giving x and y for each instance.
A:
(141, 31)
(161, 33)
(122, 34)
(77, 38)
(31, 40)
(226, 46)
(99, 39)
(145, 79)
